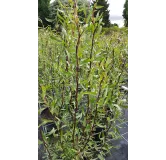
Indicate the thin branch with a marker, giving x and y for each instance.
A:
(98, 97)
(77, 68)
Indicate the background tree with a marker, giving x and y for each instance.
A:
(104, 10)
(54, 6)
(114, 24)
(125, 13)
(43, 11)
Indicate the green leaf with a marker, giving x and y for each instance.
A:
(50, 20)
(39, 142)
(46, 121)
(108, 119)
(90, 93)
(79, 116)
(101, 157)
(68, 54)
(52, 132)
(43, 91)
(98, 7)
(60, 11)
(59, 16)
(64, 31)
(100, 125)
(117, 106)
(56, 39)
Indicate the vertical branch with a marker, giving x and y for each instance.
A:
(98, 98)
(70, 104)
(67, 58)
(77, 47)
(89, 83)
(63, 90)
(93, 125)
(90, 64)
(77, 68)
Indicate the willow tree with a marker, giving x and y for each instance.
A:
(125, 13)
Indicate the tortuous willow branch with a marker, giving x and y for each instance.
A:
(77, 68)
(90, 65)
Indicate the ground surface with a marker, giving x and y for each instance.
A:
(121, 152)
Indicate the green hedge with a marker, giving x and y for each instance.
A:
(110, 30)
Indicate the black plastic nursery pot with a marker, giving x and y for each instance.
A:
(46, 114)
(98, 133)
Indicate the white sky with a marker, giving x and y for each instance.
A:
(116, 9)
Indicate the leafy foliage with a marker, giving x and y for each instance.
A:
(57, 5)
(114, 29)
(80, 75)
(114, 24)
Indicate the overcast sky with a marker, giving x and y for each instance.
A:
(116, 9)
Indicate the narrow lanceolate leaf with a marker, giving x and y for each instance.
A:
(39, 142)
(90, 93)
(52, 131)
(79, 116)
(64, 31)
(59, 16)
(101, 126)
(56, 39)
(68, 54)
(43, 123)
(60, 10)
(98, 7)
(50, 20)
(101, 157)
(117, 106)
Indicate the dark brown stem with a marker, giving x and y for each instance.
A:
(98, 97)
(67, 58)
(70, 104)
(90, 66)
(77, 79)
(67, 62)
(91, 52)
(77, 68)
(63, 90)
